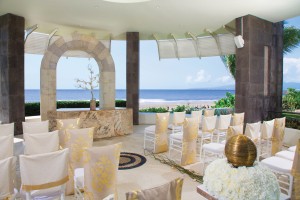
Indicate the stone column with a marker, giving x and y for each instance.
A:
(12, 107)
(259, 68)
(133, 74)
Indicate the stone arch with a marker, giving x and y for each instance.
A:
(95, 49)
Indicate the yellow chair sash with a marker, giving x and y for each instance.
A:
(45, 185)
(296, 173)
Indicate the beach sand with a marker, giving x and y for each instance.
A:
(173, 104)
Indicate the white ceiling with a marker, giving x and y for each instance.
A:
(160, 17)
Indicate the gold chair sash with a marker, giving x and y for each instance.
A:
(296, 173)
(45, 185)
(189, 141)
(161, 136)
(278, 135)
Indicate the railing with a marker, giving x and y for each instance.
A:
(292, 118)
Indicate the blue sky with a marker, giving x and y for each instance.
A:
(154, 74)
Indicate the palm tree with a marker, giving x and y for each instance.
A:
(291, 40)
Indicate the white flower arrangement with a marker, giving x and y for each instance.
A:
(224, 181)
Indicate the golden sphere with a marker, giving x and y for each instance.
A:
(240, 151)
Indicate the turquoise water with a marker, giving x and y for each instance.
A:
(148, 95)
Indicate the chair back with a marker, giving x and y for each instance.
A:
(36, 127)
(7, 129)
(7, 146)
(169, 191)
(278, 135)
(238, 118)
(178, 118)
(189, 143)
(161, 130)
(197, 114)
(209, 112)
(234, 130)
(62, 125)
(224, 122)
(43, 171)
(41, 143)
(101, 171)
(253, 130)
(209, 124)
(267, 129)
(7, 177)
(296, 173)
(77, 140)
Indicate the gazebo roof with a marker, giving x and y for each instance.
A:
(182, 29)
(160, 17)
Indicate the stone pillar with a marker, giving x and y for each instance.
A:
(12, 107)
(133, 74)
(259, 69)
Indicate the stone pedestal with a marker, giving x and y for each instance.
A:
(259, 68)
(12, 107)
(133, 74)
(107, 123)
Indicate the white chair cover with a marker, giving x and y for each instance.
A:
(234, 130)
(238, 119)
(43, 171)
(7, 146)
(253, 131)
(178, 118)
(209, 124)
(7, 177)
(224, 122)
(77, 140)
(7, 129)
(101, 171)
(209, 112)
(278, 135)
(62, 125)
(41, 143)
(197, 114)
(36, 127)
(267, 129)
(169, 191)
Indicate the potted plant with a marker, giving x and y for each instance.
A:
(91, 84)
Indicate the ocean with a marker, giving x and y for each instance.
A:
(145, 95)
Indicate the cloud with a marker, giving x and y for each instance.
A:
(225, 79)
(200, 77)
(291, 69)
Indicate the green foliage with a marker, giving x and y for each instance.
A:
(226, 102)
(155, 110)
(224, 111)
(291, 101)
(291, 38)
(179, 108)
(33, 109)
(230, 64)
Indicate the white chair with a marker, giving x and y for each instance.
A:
(7, 178)
(98, 177)
(266, 137)
(169, 191)
(7, 129)
(285, 170)
(36, 127)
(62, 125)
(197, 114)
(206, 134)
(44, 175)
(292, 148)
(253, 132)
(238, 119)
(156, 137)
(289, 155)
(185, 143)
(177, 123)
(223, 123)
(41, 143)
(7, 146)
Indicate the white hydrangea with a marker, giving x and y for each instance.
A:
(224, 181)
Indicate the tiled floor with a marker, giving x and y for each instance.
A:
(152, 173)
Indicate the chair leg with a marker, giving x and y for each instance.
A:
(28, 196)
